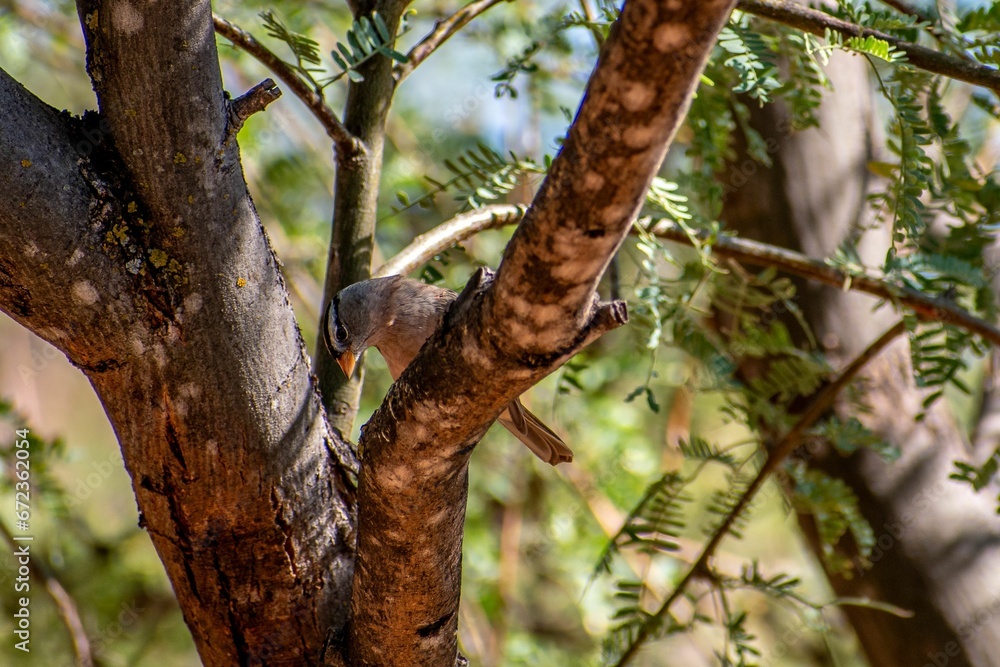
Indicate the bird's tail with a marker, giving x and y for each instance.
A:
(535, 435)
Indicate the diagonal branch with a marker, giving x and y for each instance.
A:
(65, 604)
(346, 144)
(926, 308)
(819, 405)
(816, 22)
(502, 336)
(443, 30)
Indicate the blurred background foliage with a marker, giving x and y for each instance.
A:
(510, 81)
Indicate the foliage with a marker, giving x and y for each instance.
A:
(367, 38)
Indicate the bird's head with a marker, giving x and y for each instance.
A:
(352, 321)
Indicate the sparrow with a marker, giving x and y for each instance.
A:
(397, 315)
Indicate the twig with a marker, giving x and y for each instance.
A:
(65, 605)
(904, 8)
(588, 13)
(444, 236)
(443, 29)
(926, 308)
(346, 143)
(254, 100)
(817, 407)
(816, 22)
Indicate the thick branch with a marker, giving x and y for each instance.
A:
(502, 336)
(443, 30)
(926, 308)
(816, 22)
(346, 144)
(203, 374)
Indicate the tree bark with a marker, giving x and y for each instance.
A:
(937, 541)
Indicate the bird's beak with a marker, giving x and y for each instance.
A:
(346, 363)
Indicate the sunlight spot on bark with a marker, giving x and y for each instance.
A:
(546, 316)
(637, 96)
(159, 355)
(138, 349)
(593, 181)
(192, 303)
(75, 257)
(670, 36)
(30, 249)
(84, 293)
(639, 136)
(189, 390)
(126, 18)
(398, 478)
(614, 214)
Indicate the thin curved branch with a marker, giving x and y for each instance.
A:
(443, 30)
(346, 143)
(926, 308)
(423, 248)
(817, 407)
(816, 22)
(65, 605)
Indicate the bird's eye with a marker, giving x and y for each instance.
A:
(341, 333)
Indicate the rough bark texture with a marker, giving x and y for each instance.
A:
(134, 248)
(937, 542)
(502, 336)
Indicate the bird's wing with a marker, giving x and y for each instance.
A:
(535, 435)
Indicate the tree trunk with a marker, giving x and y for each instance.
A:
(131, 244)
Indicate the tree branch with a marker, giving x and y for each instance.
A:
(426, 246)
(817, 408)
(177, 313)
(346, 144)
(816, 22)
(254, 100)
(501, 336)
(443, 30)
(926, 308)
(65, 605)
(355, 208)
